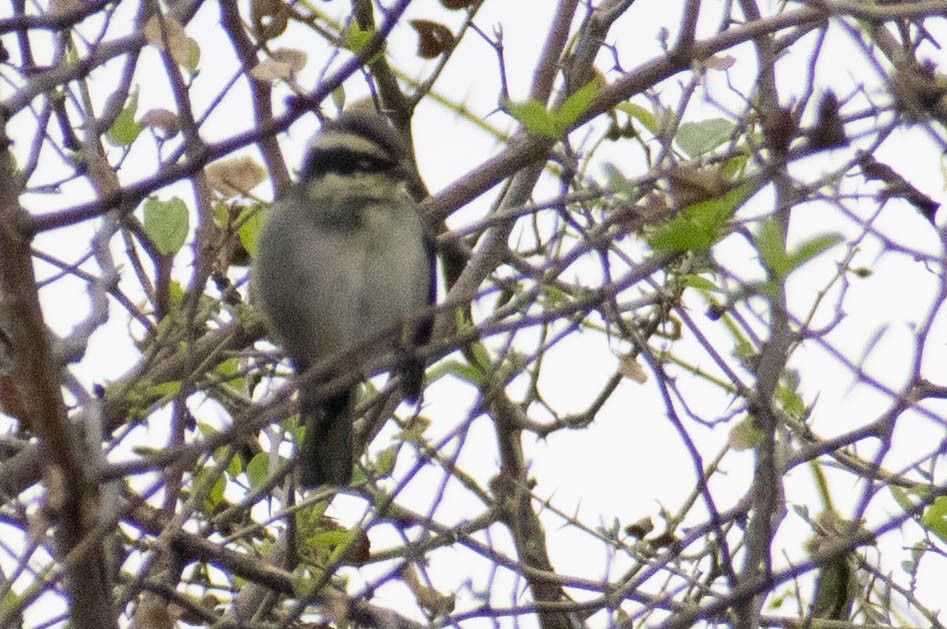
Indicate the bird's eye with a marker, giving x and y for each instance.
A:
(368, 164)
(345, 161)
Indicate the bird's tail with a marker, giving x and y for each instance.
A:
(412, 367)
(326, 453)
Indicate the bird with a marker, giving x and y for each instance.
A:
(345, 256)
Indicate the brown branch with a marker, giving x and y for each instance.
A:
(767, 493)
(72, 489)
(262, 100)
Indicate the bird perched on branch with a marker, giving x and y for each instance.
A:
(345, 257)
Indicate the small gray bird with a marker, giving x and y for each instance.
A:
(345, 257)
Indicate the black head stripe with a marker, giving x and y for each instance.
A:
(345, 161)
(373, 128)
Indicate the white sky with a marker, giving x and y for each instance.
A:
(631, 461)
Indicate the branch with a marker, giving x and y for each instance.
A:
(72, 488)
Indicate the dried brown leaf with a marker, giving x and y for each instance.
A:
(160, 30)
(629, 368)
(433, 38)
(163, 120)
(236, 176)
(269, 17)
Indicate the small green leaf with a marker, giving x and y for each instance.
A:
(734, 167)
(555, 124)
(231, 372)
(221, 215)
(769, 241)
(935, 517)
(460, 370)
(206, 430)
(215, 494)
(235, 467)
(697, 138)
(640, 114)
(536, 118)
(354, 38)
(781, 263)
(250, 228)
(555, 296)
(193, 55)
(701, 283)
(790, 402)
(698, 227)
(811, 248)
(338, 97)
(745, 436)
(332, 539)
(125, 129)
(258, 468)
(617, 182)
(164, 390)
(386, 461)
(166, 223)
(578, 103)
(415, 429)
(176, 293)
(901, 497)
(228, 368)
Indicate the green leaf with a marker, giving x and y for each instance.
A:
(166, 223)
(215, 494)
(338, 97)
(354, 38)
(734, 167)
(790, 402)
(901, 497)
(235, 467)
(250, 228)
(578, 103)
(555, 296)
(701, 283)
(745, 436)
(769, 242)
(460, 370)
(258, 468)
(193, 55)
(935, 517)
(164, 390)
(781, 263)
(536, 118)
(228, 368)
(332, 539)
(206, 430)
(415, 429)
(125, 130)
(640, 114)
(697, 138)
(811, 248)
(555, 124)
(698, 227)
(385, 463)
(617, 182)
(176, 293)
(231, 372)
(221, 215)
